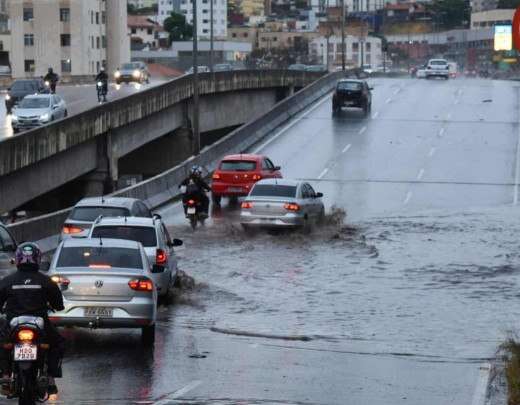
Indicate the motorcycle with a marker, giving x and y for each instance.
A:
(101, 91)
(29, 381)
(193, 208)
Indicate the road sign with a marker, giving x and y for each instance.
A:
(503, 38)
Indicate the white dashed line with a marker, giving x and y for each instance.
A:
(432, 151)
(457, 101)
(346, 148)
(397, 91)
(388, 100)
(376, 114)
(421, 173)
(323, 173)
(441, 131)
(179, 393)
(448, 117)
(362, 130)
(408, 197)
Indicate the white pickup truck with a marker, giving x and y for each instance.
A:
(438, 68)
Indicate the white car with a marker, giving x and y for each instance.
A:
(438, 68)
(36, 110)
(155, 239)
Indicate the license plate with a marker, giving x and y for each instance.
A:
(235, 189)
(25, 352)
(192, 210)
(99, 312)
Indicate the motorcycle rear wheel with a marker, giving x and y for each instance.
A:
(193, 222)
(27, 384)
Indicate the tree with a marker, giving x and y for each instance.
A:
(508, 4)
(451, 14)
(178, 28)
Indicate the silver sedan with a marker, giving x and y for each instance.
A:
(282, 203)
(106, 283)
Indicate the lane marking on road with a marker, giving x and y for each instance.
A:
(323, 173)
(346, 148)
(421, 174)
(441, 131)
(376, 114)
(479, 396)
(362, 130)
(397, 90)
(408, 197)
(517, 170)
(179, 393)
(448, 117)
(388, 100)
(432, 151)
(457, 101)
(290, 125)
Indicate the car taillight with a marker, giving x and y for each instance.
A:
(61, 281)
(71, 229)
(139, 284)
(247, 205)
(216, 176)
(291, 207)
(191, 202)
(25, 335)
(160, 257)
(257, 177)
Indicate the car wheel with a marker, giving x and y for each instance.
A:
(216, 199)
(321, 217)
(306, 227)
(148, 335)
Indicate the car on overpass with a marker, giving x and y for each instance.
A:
(37, 110)
(154, 237)
(106, 283)
(352, 93)
(276, 203)
(200, 69)
(133, 72)
(236, 174)
(8, 247)
(21, 88)
(222, 67)
(87, 210)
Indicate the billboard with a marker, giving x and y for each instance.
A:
(503, 37)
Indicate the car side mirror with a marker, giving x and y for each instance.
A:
(158, 269)
(156, 216)
(55, 107)
(45, 266)
(319, 195)
(277, 168)
(175, 242)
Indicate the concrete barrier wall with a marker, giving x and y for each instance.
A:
(162, 188)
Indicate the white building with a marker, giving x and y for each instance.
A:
(165, 8)
(203, 19)
(142, 3)
(74, 37)
(490, 18)
(359, 51)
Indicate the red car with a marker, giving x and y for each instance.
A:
(236, 174)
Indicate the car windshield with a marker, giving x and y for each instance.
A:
(272, 190)
(102, 257)
(238, 166)
(353, 86)
(145, 235)
(24, 86)
(33, 102)
(130, 66)
(91, 213)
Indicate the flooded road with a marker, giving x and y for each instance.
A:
(399, 302)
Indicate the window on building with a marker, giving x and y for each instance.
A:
(29, 65)
(104, 42)
(355, 47)
(66, 66)
(133, 30)
(64, 14)
(368, 46)
(205, 21)
(205, 11)
(234, 35)
(28, 39)
(91, 17)
(149, 31)
(245, 35)
(97, 18)
(65, 39)
(98, 42)
(103, 17)
(205, 31)
(92, 42)
(28, 14)
(98, 65)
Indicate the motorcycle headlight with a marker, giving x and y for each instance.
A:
(7, 97)
(100, 84)
(44, 117)
(117, 74)
(136, 73)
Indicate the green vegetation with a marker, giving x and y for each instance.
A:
(450, 14)
(132, 10)
(508, 4)
(511, 351)
(178, 28)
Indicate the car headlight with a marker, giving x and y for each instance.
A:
(44, 117)
(136, 73)
(7, 97)
(117, 74)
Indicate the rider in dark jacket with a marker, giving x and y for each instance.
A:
(29, 292)
(103, 78)
(53, 79)
(195, 188)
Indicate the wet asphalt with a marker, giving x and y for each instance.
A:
(403, 294)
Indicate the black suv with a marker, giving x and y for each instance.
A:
(352, 93)
(21, 88)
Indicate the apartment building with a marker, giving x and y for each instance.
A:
(74, 37)
(165, 8)
(203, 19)
(359, 51)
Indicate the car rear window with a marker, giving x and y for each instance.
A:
(273, 190)
(144, 234)
(100, 257)
(238, 166)
(349, 86)
(438, 62)
(91, 213)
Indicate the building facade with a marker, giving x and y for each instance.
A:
(490, 18)
(165, 8)
(74, 37)
(483, 5)
(359, 51)
(203, 17)
(142, 3)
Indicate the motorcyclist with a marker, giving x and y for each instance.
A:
(102, 77)
(196, 187)
(17, 299)
(53, 79)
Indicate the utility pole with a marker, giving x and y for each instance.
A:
(195, 115)
(211, 36)
(342, 36)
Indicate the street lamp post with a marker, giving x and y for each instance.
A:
(195, 115)
(342, 36)
(211, 35)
